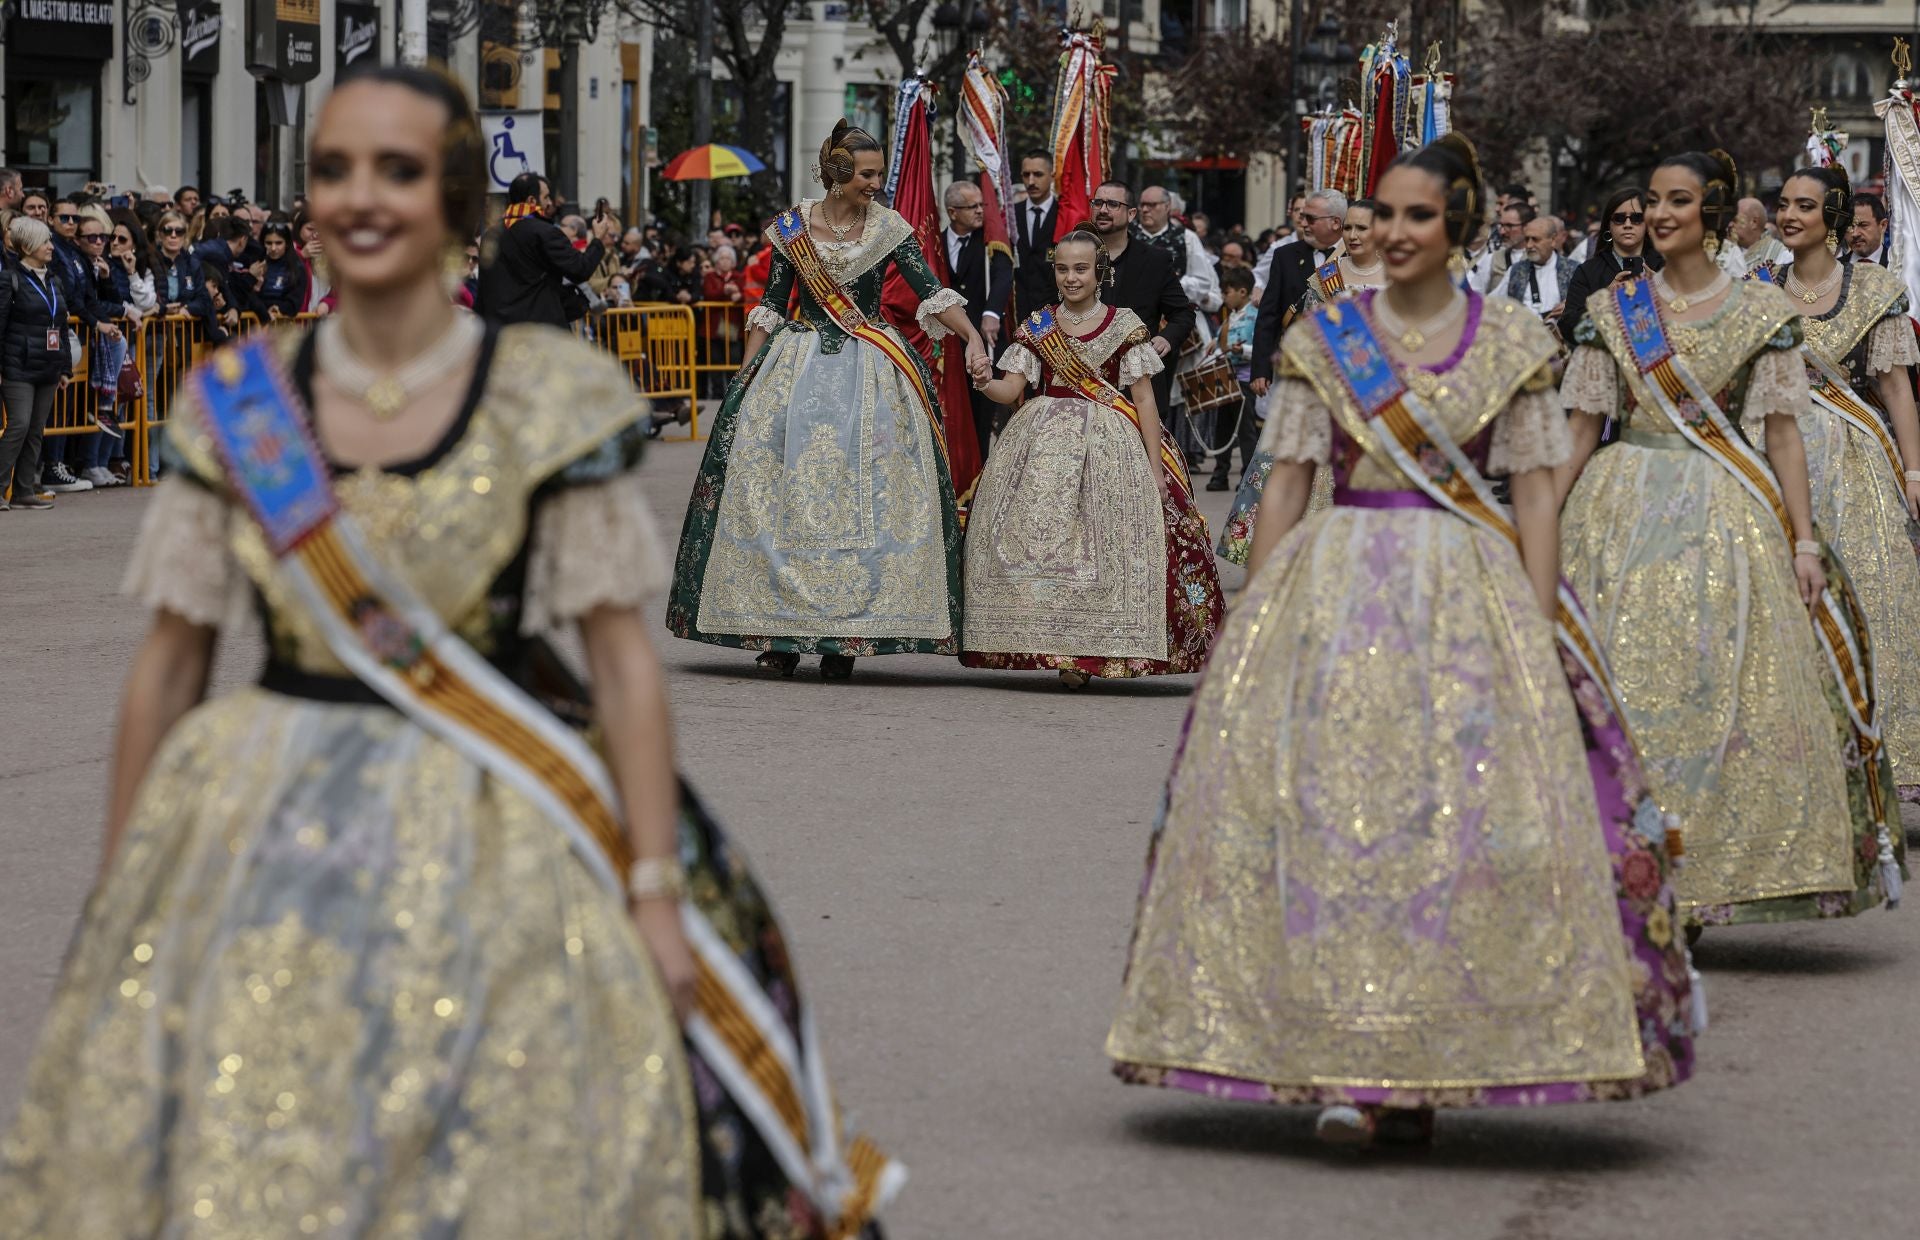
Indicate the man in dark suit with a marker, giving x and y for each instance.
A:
(1293, 264)
(983, 277)
(1143, 282)
(1034, 218)
(525, 261)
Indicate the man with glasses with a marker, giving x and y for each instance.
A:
(1034, 220)
(1539, 281)
(1322, 218)
(1867, 238)
(1748, 242)
(981, 274)
(1143, 282)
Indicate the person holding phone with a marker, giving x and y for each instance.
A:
(1622, 254)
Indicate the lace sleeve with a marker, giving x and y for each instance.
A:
(1018, 359)
(1137, 363)
(1592, 382)
(182, 561)
(1776, 386)
(939, 302)
(765, 317)
(595, 545)
(1891, 344)
(1532, 432)
(1299, 425)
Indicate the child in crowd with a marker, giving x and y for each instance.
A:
(1236, 293)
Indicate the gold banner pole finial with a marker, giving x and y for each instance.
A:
(1432, 66)
(1820, 124)
(1902, 62)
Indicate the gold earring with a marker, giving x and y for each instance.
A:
(1457, 265)
(1711, 244)
(838, 192)
(1833, 242)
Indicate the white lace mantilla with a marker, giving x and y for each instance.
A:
(845, 261)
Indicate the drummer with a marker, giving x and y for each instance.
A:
(1239, 310)
(1146, 281)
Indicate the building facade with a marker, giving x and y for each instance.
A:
(153, 94)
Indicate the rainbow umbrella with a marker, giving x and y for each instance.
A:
(712, 162)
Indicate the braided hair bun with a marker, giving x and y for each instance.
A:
(1719, 186)
(1453, 160)
(837, 152)
(1102, 261)
(1836, 197)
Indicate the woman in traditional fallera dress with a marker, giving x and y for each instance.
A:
(359, 961)
(823, 517)
(1406, 860)
(1361, 267)
(1697, 554)
(1084, 552)
(1863, 441)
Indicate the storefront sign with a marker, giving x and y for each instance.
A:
(356, 34)
(283, 39)
(81, 29)
(200, 37)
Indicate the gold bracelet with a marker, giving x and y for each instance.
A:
(656, 878)
(1807, 546)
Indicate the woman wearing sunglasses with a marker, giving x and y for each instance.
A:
(1622, 251)
(179, 281)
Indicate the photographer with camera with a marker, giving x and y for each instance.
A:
(1622, 252)
(525, 261)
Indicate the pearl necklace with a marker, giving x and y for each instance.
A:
(1067, 316)
(1414, 338)
(386, 395)
(1812, 295)
(1367, 273)
(1680, 302)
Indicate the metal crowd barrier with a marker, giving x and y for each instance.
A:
(659, 348)
(659, 345)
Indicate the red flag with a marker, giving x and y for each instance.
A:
(1080, 133)
(910, 179)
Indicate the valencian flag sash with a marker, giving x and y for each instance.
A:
(1662, 381)
(1040, 332)
(396, 644)
(791, 227)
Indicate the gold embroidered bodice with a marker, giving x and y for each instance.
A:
(456, 528)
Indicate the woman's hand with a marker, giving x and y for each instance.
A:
(1913, 499)
(1812, 576)
(658, 921)
(977, 364)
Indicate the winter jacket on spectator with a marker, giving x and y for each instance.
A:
(522, 270)
(182, 282)
(31, 305)
(134, 288)
(81, 286)
(285, 287)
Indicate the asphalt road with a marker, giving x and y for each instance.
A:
(956, 854)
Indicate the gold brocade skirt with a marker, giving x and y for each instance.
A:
(338, 982)
(1689, 583)
(1860, 506)
(1066, 550)
(1382, 862)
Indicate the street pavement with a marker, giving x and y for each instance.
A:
(956, 854)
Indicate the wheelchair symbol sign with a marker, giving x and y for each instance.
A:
(514, 145)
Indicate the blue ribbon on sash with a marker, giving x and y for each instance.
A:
(266, 444)
(1640, 315)
(1371, 378)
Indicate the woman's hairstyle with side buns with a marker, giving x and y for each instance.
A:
(1719, 186)
(1452, 159)
(837, 152)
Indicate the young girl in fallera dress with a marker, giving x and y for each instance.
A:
(1084, 551)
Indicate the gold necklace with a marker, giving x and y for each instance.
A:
(1812, 295)
(1067, 316)
(386, 395)
(1679, 303)
(840, 231)
(1414, 338)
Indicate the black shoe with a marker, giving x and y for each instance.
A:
(1218, 483)
(836, 667)
(779, 662)
(32, 500)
